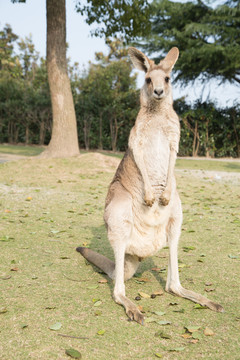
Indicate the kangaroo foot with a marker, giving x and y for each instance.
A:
(134, 314)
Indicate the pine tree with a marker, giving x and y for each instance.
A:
(208, 37)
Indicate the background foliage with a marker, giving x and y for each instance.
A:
(106, 101)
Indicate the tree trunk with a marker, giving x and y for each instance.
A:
(42, 132)
(15, 135)
(27, 135)
(10, 134)
(207, 140)
(86, 131)
(195, 140)
(100, 145)
(114, 133)
(64, 140)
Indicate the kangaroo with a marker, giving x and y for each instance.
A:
(143, 210)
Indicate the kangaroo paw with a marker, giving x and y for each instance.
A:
(136, 315)
(165, 198)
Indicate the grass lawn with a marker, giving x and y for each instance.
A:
(20, 150)
(49, 207)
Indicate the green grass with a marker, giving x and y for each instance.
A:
(48, 208)
(21, 150)
(212, 165)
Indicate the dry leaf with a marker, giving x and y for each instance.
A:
(14, 269)
(158, 293)
(143, 279)
(144, 295)
(155, 269)
(194, 341)
(208, 332)
(209, 289)
(103, 281)
(186, 336)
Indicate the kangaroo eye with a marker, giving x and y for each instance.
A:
(167, 79)
(148, 80)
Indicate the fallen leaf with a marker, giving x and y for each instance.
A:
(50, 307)
(92, 287)
(159, 313)
(188, 248)
(196, 335)
(155, 269)
(158, 355)
(24, 326)
(194, 341)
(144, 295)
(208, 332)
(181, 266)
(3, 311)
(7, 277)
(173, 303)
(149, 320)
(14, 269)
(192, 329)
(29, 198)
(97, 303)
(233, 256)
(186, 335)
(208, 283)
(103, 281)
(6, 238)
(143, 279)
(163, 335)
(209, 289)
(56, 326)
(158, 293)
(101, 332)
(98, 312)
(75, 354)
(179, 311)
(198, 306)
(162, 322)
(177, 349)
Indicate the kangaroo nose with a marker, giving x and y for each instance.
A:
(158, 91)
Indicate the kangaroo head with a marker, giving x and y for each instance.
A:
(157, 80)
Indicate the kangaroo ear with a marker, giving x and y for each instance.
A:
(139, 60)
(169, 61)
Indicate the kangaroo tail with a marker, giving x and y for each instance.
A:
(103, 263)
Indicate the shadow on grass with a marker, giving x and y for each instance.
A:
(233, 166)
(100, 244)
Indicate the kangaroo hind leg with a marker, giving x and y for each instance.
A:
(118, 216)
(173, 283)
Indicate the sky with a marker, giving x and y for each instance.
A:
(30, 18)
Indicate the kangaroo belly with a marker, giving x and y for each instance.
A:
(148, 234)
(156, 158)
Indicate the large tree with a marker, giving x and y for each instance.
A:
(207, 34)
(64, 140)
(128, 17)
